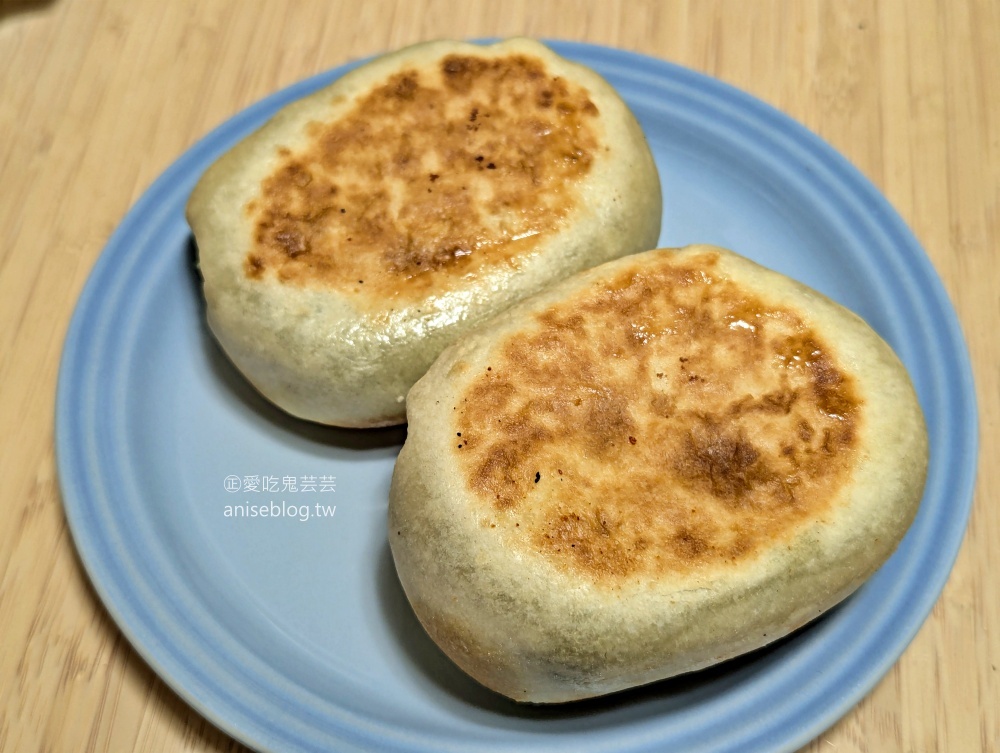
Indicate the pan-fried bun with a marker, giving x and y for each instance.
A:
(654, 466)
(367, 226)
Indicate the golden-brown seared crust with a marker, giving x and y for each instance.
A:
(428, 178)
(727, 418)
(653, 466)
(368, 225)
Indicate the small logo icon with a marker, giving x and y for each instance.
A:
(232, 483)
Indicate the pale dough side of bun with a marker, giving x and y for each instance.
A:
(366, 226)
(654, 466)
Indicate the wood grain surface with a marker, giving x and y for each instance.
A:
(97, 97)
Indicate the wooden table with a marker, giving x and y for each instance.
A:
(97, 97)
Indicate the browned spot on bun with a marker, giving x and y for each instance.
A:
(433, 175)
(674, 420)
(721, 463)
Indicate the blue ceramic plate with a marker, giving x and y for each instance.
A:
(288, 628)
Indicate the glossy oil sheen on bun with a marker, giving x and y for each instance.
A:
(656, 465)
(367, 226)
